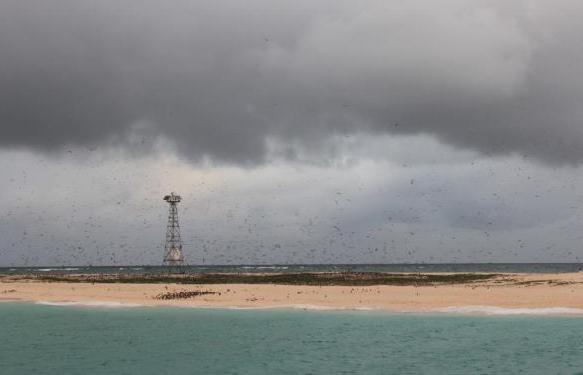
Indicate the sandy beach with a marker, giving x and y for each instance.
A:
(510, 291)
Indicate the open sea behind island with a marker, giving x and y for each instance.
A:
(43, 339)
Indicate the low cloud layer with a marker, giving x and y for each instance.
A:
(225, 80)
(464, 208)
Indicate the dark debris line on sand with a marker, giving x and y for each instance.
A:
(318, 279)
(184, 294)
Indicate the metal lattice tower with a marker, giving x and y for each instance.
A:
(173, 249)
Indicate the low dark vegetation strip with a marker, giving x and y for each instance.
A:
(324, 278)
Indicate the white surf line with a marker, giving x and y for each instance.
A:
(457, 310)
(277, 307)
(56, 269)
(106, 304)
(496, 310)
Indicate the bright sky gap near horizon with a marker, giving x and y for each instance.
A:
(296, 132)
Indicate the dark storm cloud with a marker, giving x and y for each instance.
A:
(221, 79)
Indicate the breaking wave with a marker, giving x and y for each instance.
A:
(56, 269)
(494, 310)
(89, 304)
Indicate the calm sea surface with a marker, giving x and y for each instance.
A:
(38, 339)
(442, 267)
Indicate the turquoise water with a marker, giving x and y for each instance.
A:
(36, 339)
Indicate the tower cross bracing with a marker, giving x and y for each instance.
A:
(173, 255)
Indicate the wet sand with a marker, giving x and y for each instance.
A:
(512, 291)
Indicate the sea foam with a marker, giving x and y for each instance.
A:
(57, 269)
(107, 304)
(495, 310)
(290, 306)
(469, 310)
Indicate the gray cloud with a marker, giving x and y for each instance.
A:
(221, 79)
(71, 212)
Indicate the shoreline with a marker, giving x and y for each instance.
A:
(469, 310)
(496, 294)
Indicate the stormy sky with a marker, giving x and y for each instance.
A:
(296, 131)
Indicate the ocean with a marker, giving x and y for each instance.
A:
(42, 339)
(294, 268)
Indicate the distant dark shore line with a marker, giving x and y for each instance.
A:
(314, 279)
(426, 268)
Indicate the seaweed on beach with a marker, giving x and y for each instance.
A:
(317, 279)
(544, 282)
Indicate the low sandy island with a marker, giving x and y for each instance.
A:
(561, 293)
